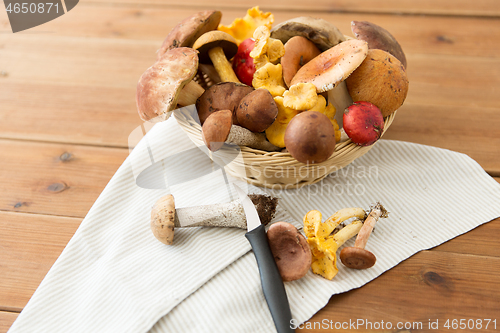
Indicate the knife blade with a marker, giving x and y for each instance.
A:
(272, 283)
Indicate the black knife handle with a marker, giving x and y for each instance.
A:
(272, 284)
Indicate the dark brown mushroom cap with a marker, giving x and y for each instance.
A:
(221, 96)
(357, 258)
(160, 85)
(257, 110)
(290, 250)
(190, 29)
(298, 52)
(310, 137)
(216, 128)
(378, 38)
(212, 39)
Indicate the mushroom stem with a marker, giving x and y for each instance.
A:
(190, 93)
(347, 232)
(222, 65)
(367, 229)
(165, 217)
(244, 137)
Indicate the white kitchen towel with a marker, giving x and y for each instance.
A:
(114, 276)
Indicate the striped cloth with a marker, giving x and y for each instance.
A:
(114, 276)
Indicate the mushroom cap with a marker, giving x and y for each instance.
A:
(257, 110)
(160, 85)
(212, 39)
(298, 52)
(333, 66)
(186, 32)
(378, 38)
(321, 32)
(290, 250)
(381, 79)
(310, 137)
(216, 128)
(221, 96)
(357, 258)
(163, 219)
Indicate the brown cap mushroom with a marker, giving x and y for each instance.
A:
(165, 217)
(257, 110)
(290, 250)
(381, 80)
(321, 32)
(222, 96)
(217, 47)
(357, 257)
(218, 129)
(187, 31)
(310, 137)
(333, 66)
(378, 38)
(161, 86)
(298, 52)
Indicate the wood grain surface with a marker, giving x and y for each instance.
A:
(67, 107)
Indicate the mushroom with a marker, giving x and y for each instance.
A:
(187, 31)
(243, 28)
(301, 96)
(217, 47)
(257, 110)
(380, 79)
(310, 137)
(269, 77)
(321, 32)
(221, 96)
(168, 83)
(290, 250)
(298, 52)
(165, 217)
(378, 38)
(333, 66)
(357, 257)
(218, 128)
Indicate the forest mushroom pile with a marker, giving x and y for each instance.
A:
(283, 84)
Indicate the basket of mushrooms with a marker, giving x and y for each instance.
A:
(296, 101)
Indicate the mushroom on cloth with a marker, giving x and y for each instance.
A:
(290, 249)
(186, 32)
(168, 83)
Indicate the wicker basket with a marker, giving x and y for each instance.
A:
(277, 170)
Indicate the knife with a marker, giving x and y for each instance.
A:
(272, 284)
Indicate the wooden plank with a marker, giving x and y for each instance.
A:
(417, 34)
(6, 320)
(54, 179)
(460, 7)
(29, 244)
(427, 287)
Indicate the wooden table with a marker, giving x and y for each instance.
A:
(67, 106)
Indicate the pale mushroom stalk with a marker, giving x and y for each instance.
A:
(165, 217)
(222, 65)
(190, 93)
(357, 257)
(244, 137)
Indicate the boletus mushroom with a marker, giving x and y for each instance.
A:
(381, 80)
(218, 129)
(186, 32)
(310, 137)
(217, 47)
(257, 110)
(290, 250)
(378, 38)
(168, 83)
(222, 96)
